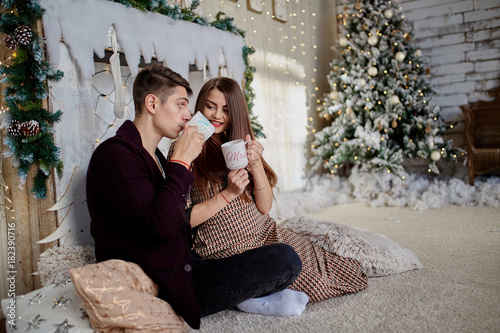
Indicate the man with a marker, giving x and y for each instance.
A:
(136, 201)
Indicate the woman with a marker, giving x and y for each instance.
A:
(230, 209)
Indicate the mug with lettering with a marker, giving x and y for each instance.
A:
(205, 127)
(235, 154)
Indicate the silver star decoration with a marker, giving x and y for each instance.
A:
(35, 323)
(85, 315)
(61, 302)
(62, 283)
(36, 299)
(62, 327)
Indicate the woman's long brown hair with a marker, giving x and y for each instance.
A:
(210, 165)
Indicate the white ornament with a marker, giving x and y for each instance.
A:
(343, 42)
(372, 71)
(372, 40)
(394, 99)
(362, 82)
(418, 53)
(334, 95)
(435, 155)
(388, 13)
(348, 111)
(400, 56)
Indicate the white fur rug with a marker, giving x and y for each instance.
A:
(418, 192)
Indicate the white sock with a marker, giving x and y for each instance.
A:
(282, 303)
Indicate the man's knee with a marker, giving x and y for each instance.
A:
(287, 258)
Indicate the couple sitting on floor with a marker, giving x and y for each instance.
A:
(202, 232)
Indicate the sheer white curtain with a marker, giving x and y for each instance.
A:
(284, 82)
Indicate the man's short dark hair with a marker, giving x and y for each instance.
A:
(158, 80)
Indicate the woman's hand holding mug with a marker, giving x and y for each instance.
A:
(254, 151)
(237, 180)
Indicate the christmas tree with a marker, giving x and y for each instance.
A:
(379, 99)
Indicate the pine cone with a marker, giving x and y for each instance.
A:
(10, 42)
(23, 34)
(30, 128)
(14, 128)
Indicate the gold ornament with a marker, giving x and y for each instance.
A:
(428, 129)
(380, 126)
(394, 124)
(365, 26)
(408, 38)
(357, 5)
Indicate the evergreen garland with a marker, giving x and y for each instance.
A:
(29, 130)
(30, 126)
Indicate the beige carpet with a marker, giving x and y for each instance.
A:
(458, 289)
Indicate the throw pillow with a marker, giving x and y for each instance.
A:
(53, 308)
(54, 263)
(379, 255)
(120, 297)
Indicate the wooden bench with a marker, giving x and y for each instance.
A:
(482, 137)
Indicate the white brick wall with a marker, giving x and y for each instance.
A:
(460, 40)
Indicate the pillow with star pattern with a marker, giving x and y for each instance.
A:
(53, 308)
(119, 296)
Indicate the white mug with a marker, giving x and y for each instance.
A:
(205, 127)
(235, 154)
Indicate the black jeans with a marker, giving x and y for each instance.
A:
(223, 283)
